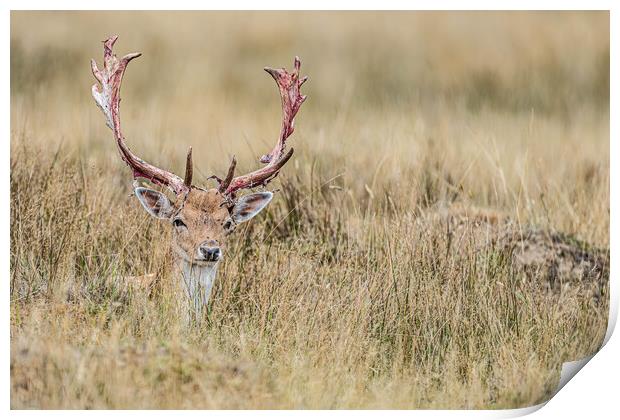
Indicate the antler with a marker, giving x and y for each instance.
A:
(107, 96)
(289, 85)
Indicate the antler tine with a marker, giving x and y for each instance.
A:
(229, 176)
(107, 96)
(289, 85)
(189, 169)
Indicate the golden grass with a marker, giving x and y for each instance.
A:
(337, 296)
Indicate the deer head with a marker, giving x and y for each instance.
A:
(202, 218)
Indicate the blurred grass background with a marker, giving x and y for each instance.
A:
(495, 92)
(406, 111)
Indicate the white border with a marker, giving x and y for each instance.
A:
(314, 5)
(592, 393)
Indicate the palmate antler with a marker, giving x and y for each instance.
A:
(289, 85)
(108, 97)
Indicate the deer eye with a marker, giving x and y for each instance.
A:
(227, 224)
(179, 223)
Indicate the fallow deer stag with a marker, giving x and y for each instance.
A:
(201, 218)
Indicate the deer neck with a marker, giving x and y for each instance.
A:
(197, 283)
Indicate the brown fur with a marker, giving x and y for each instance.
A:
(204, 212)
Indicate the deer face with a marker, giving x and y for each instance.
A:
(202, 221)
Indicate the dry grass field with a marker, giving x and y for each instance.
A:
(350, 290)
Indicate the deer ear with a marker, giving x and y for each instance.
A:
(154, 202)
(250, 205)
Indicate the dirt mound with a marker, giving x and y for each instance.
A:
(560, 260)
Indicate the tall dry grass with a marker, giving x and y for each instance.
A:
(338, 296)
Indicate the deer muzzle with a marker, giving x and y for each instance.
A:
(209, 251)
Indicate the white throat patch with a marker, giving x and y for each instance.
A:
(197, 282)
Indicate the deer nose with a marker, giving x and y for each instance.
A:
(210, 251)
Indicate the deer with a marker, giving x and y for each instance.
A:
(202, 219)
